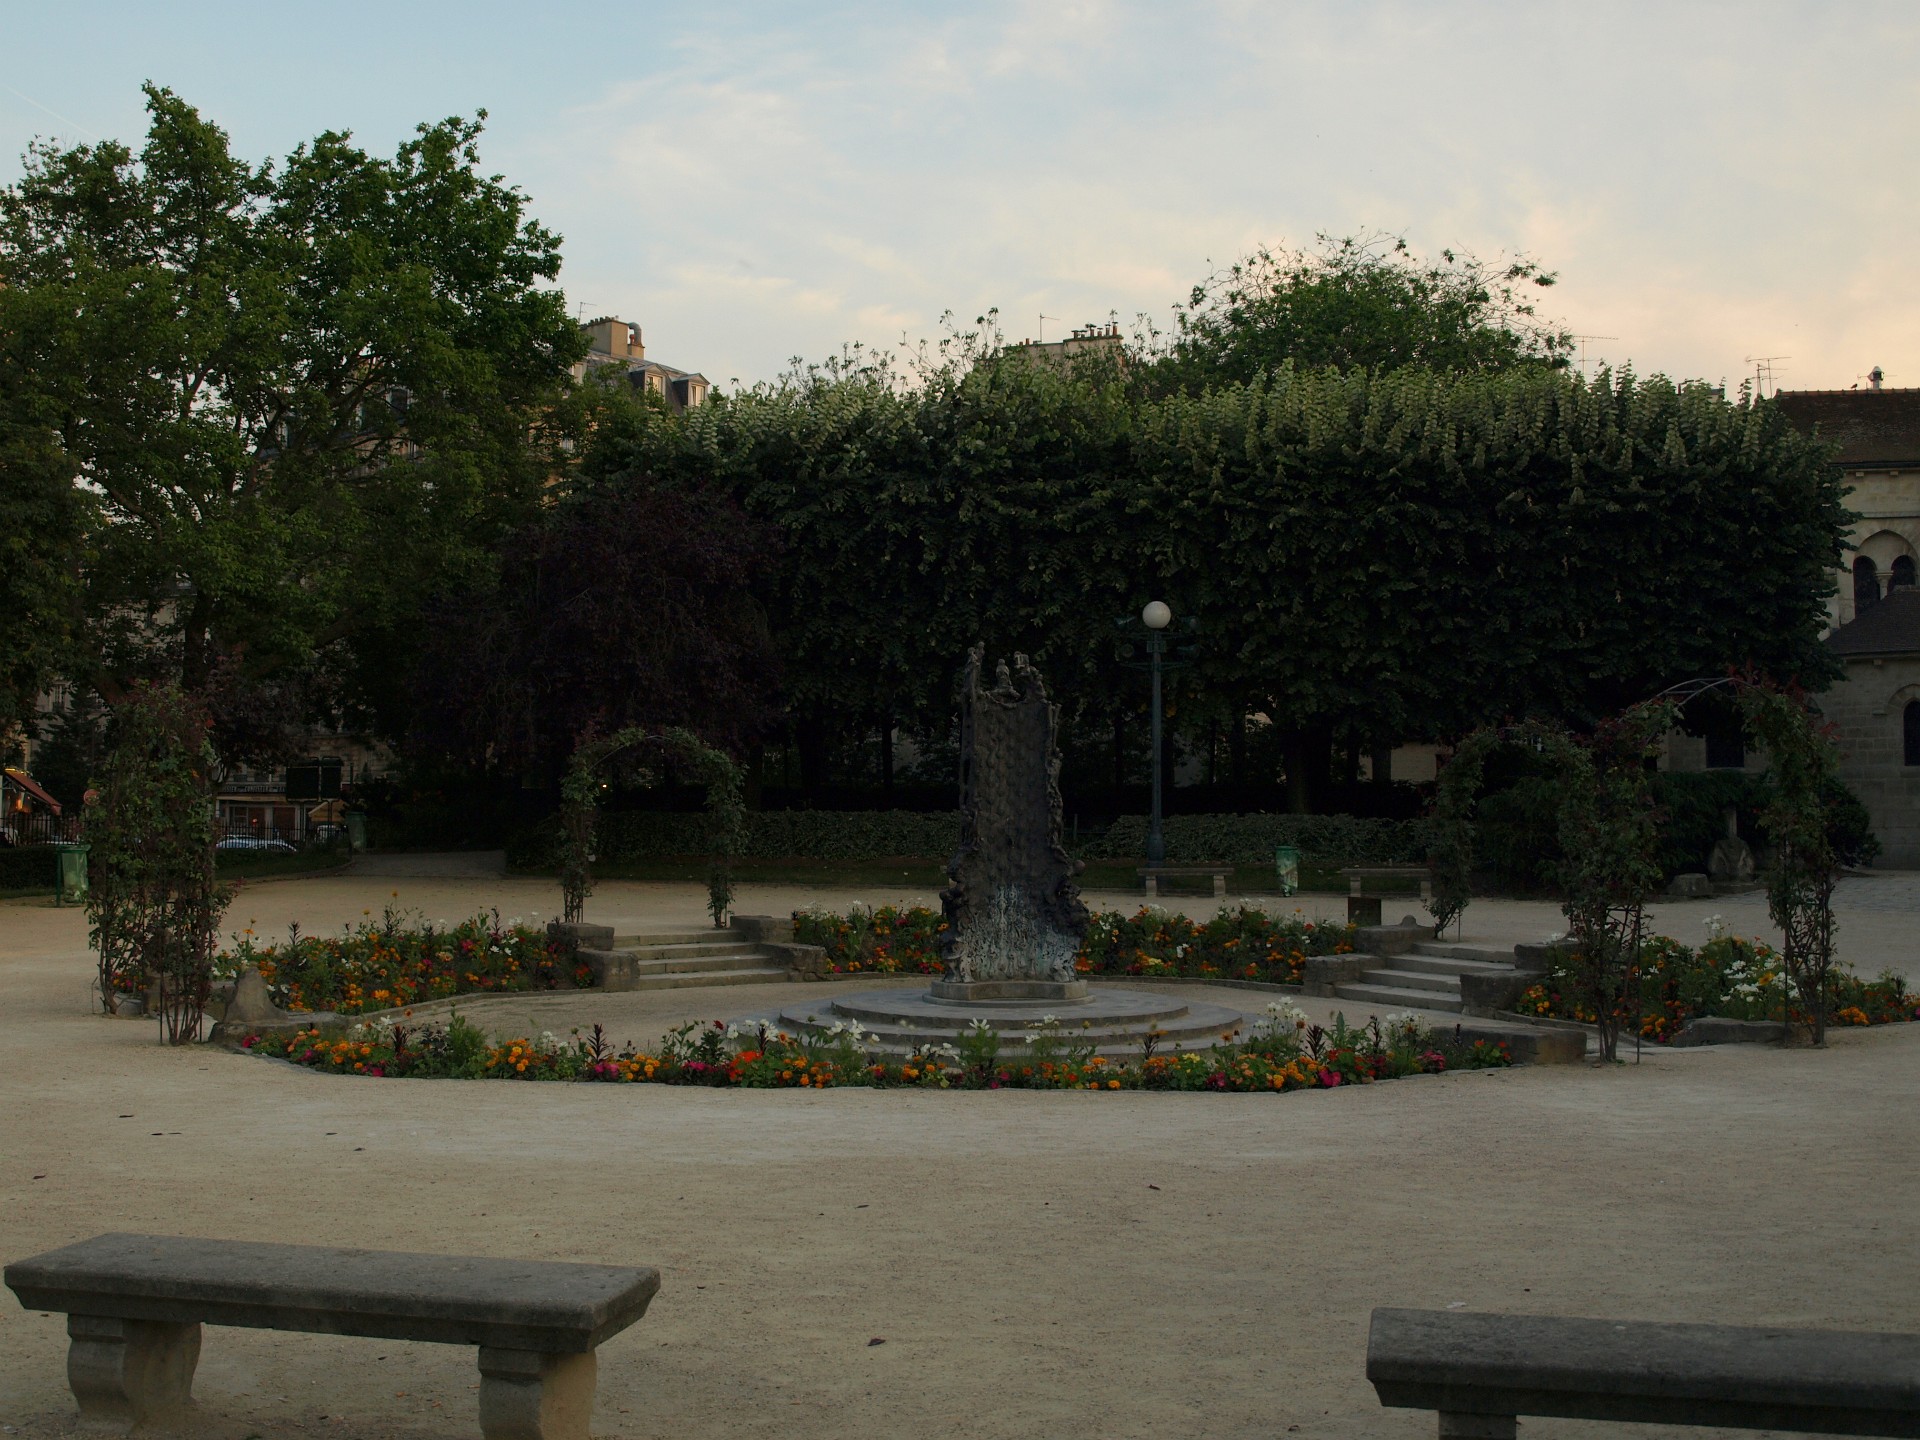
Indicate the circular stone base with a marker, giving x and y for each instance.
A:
(968, 992)
(1116, 1023)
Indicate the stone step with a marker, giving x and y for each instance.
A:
(1483, 954)
(1398, 978)
(735, 959)
(1447, 965)
(662, 939)
(688, 979)
(1113, 1044)
(1392, 997)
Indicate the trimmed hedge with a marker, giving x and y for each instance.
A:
(30, 867)
(1327, 840)
(886, 834)
(767, 835)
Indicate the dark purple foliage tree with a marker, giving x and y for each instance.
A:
(630, 604)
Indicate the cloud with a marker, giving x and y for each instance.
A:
(772, 185)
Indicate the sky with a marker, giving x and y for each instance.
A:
(757, 183)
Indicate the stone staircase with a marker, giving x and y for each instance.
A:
(684, 958)
(1427, 977)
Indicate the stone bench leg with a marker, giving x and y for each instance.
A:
(532, 1395)
(1219, 886)
(129, 1372)
(1153, 885)
(1458, 1425)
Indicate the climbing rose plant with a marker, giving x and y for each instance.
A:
(153, 904)
(580, 808)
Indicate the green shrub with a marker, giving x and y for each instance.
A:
(1696, 803)
(1325, 840)
(624, 835)
(1517, 835)
(30, 867)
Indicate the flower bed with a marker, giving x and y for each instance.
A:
(396, 963)
(1285, 1053)
(1729, 977)
(1239, 943)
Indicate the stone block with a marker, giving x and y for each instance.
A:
(803, 962)
(1693, 885)
(1529, 1045)
(251, 1011)
(131, 1372)
(1534, 957)
(534, 1395)
(1395, 939)
(1718, 1030)
(762, 928)
(1322, 973)
(576, 935)
(611, 969)
(1485, 995)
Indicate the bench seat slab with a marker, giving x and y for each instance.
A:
(1746, 1377)
(536, 1305)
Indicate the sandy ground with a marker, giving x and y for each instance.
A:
(1037, 1264)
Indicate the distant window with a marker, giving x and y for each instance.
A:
(1726, 749)
(1866, 584)
(1902, 573)
(1910, 723)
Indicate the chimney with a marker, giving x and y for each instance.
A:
(1874, 378)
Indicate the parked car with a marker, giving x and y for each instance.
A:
(257, 844)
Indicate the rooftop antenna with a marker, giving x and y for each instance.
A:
(1043, 326)
(1763, 371)
(1583, 347)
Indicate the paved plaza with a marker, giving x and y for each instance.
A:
(1036, 1264)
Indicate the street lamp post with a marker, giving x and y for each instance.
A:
(1156, 617)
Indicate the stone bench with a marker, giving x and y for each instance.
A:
(1152, 875)
(135, 1305)
(1481, 1371)
(1364, 895)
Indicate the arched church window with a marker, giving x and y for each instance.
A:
(1866, 583)
(1902, 573)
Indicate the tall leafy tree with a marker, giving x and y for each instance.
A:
(44, 522)
(297, 395)
(1359, 301)
(1370, 556)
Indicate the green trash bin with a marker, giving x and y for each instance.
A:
(356, 831)
(1286, 862)
(70, 884)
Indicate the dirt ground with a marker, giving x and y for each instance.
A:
(1036, 1264)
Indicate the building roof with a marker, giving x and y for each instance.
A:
(26, 782)
(1874, 428)
(641, 366)
(1890, 626)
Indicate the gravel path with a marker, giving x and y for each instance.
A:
(1037, 1264)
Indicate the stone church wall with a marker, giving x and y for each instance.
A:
(1869, 708)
